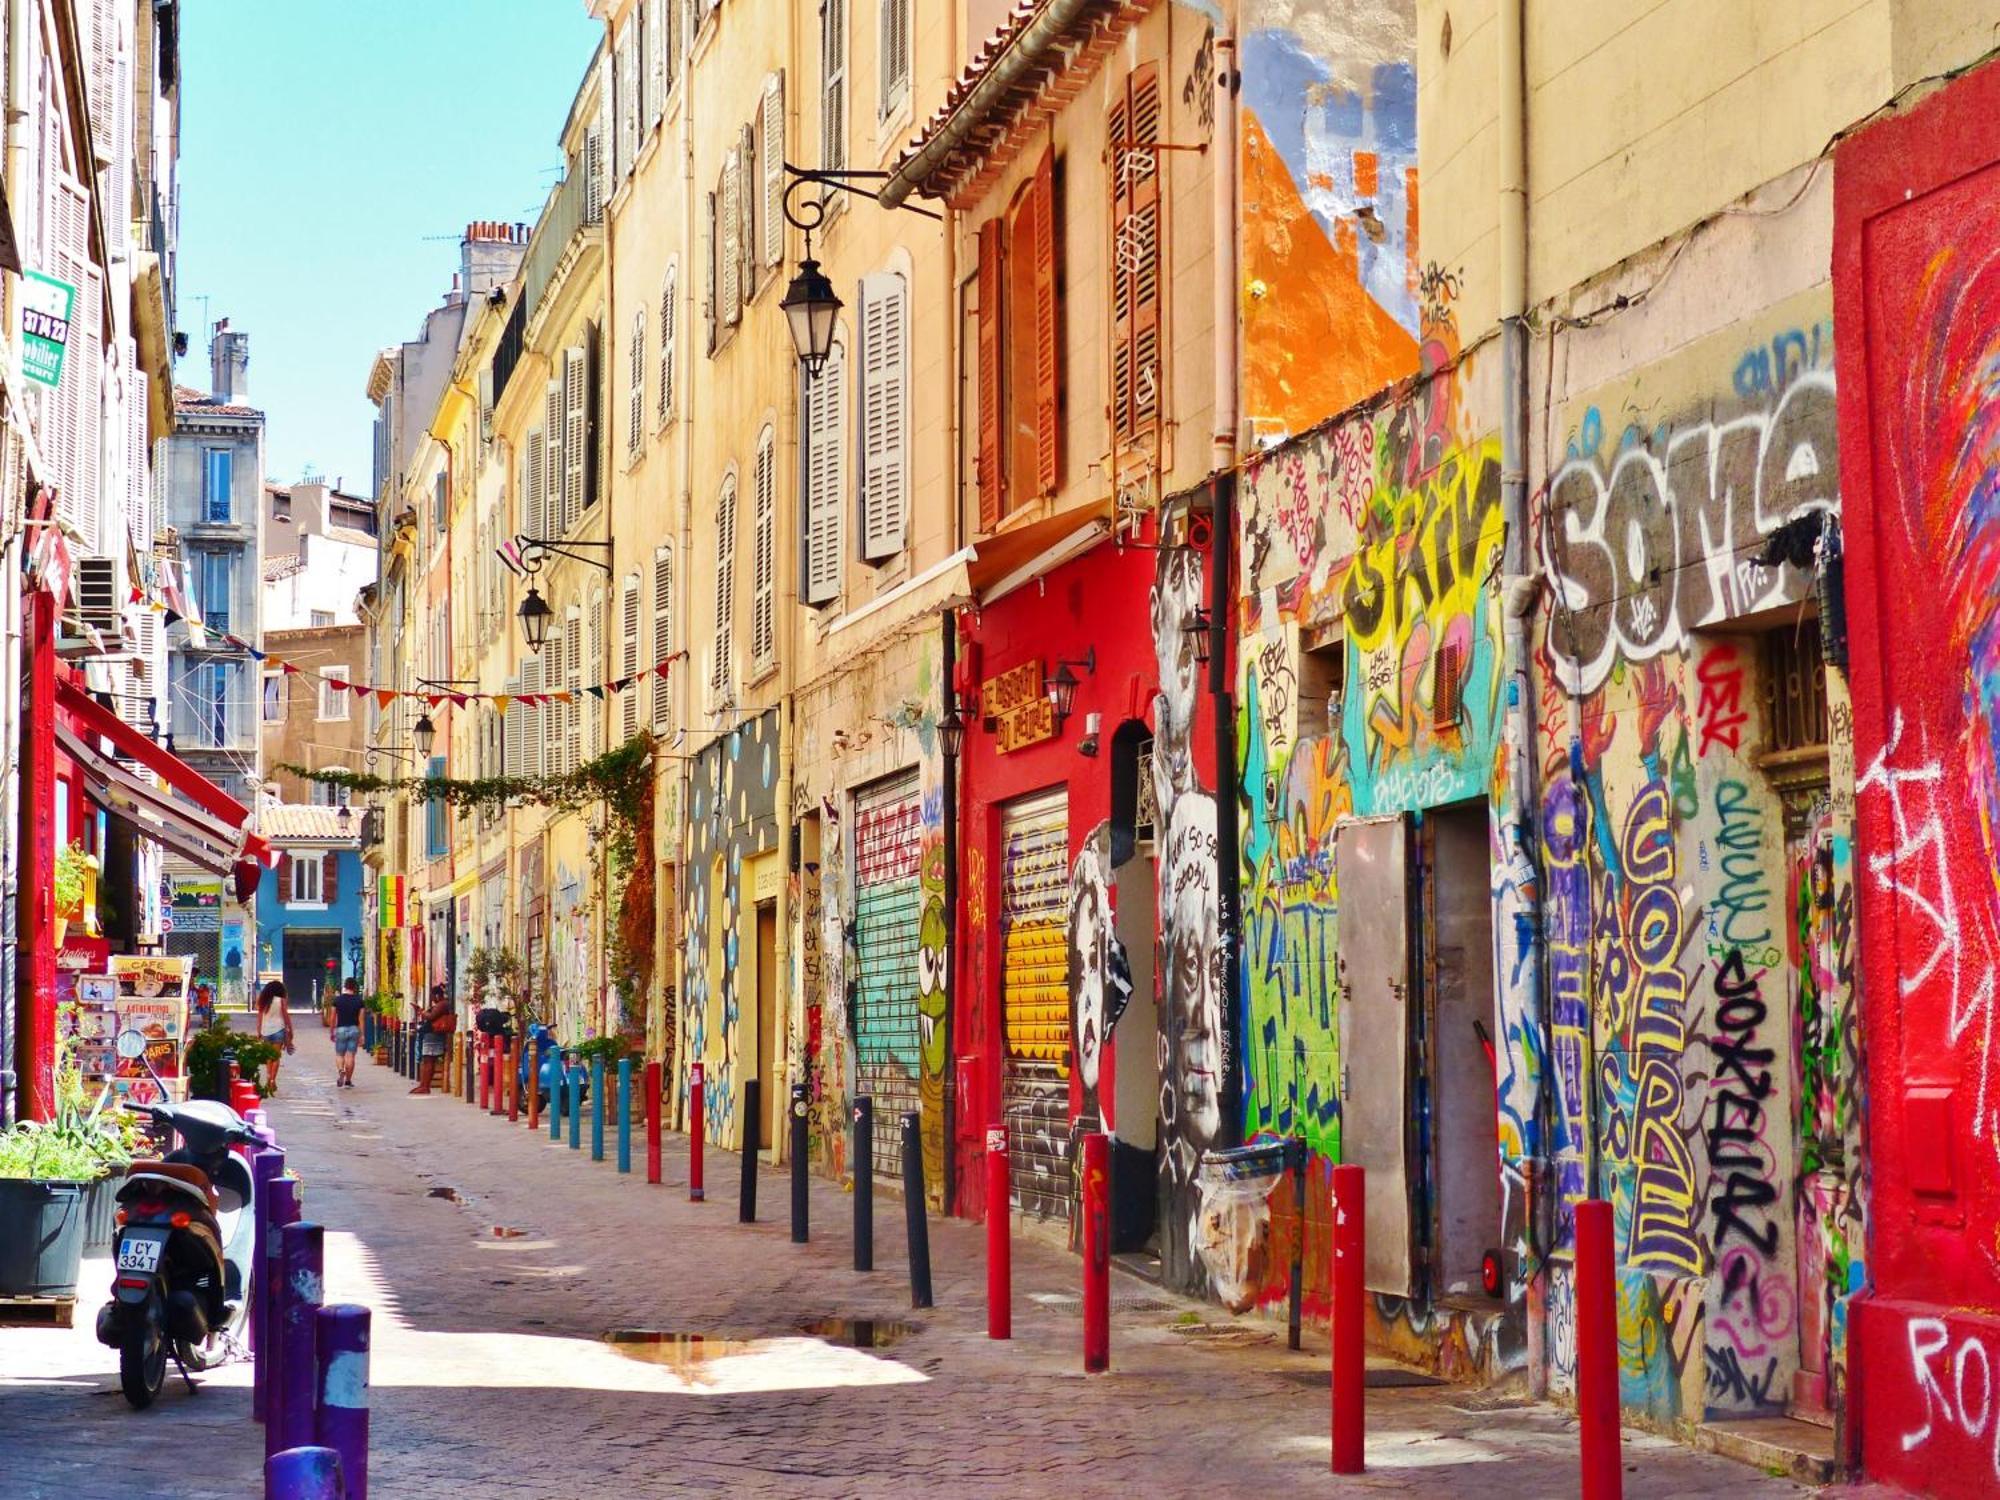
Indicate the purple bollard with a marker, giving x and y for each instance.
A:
(304, 1474)
(267, 1165)
(298, 1384)
(284, 1209)
(342, 1354)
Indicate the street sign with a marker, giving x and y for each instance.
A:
(46, 305)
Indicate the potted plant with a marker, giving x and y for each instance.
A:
(204, 1065)
(75, 885)
(44, 1173)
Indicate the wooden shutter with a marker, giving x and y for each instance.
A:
(628, 658)
(774, 169)
(663, 634)
(593, 171)
(825, 462)
(552, 465)
(653, 20)
(725, 584)
(833, 85)
(747, 199)
(329, 878)
(1135, 258)
(990, 469)
(534, 728)
(575, 399)
(731, 267)
(668, 323)
(764, 553)
(711, 305)
(573, 683)
(596, 377)
(534, 458)
(635, 405)
(284, 878)
(884, 320)
(513, 724)
(591, 670)
(895, 54)
(626, 104)
(1048, 355)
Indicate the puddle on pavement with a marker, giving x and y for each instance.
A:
(449, 1194)
(858, 1333)
(683, 1353)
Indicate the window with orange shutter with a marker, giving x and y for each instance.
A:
(1134, 129)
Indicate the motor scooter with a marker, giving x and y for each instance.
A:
(543, 1055)
(186, 1228)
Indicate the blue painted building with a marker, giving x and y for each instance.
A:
(309, 904)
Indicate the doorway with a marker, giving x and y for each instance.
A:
(770, 1109)
(311, 968)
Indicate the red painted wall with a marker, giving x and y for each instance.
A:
(1917, 323)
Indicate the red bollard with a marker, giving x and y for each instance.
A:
(534, 1087)
(1597, 1353)
(999, 1248)
(482, 1060)
(1096, 1252)
(653, 1166)
(1350, 1363)
(513, 1063)
(498, 1049)
(697, 1126)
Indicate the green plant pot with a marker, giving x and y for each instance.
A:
(100, 1208)
(41, 1237)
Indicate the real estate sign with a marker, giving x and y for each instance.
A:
(46, 305)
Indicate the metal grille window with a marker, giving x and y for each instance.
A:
(888, 905)
(1795, 689)
(1034, 1001)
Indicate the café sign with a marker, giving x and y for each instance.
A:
(1019, 707)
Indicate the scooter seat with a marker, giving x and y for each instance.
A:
(177, 1175)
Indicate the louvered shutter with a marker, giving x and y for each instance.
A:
(575, 399)
(731, 268)
(138, 488)
(663, 634)
(884, 320)
(711, 305)
(990, 475)
(833, 85)
(534, 486)
(513, 724)
(573, 684)
(1135, 259)
(534, 728)
(595, 372)
(628, 659)
(329, 878)
(85, 363)
(774, 169)
(669, 322)
(635, 409)
(825, 462)
(895, 54)
(764, 558)
(594, 169)
(725, 585)
(747, 197)
(590, 671)
(1048, 356)
(627, 102)
(284, 878)
(552, 467)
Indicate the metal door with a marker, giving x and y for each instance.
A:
(1370, 866)
(888, 905)
(1034, 1001)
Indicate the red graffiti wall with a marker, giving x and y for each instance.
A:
(1917, 316)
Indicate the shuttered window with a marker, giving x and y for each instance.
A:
(575, 419)
(720, 675)
(1135, 259)
(774, 169)
(730, 270)
(669, 323)
(991, 472)
(663, 636)
(628, 658)
(513, 726)
(591, 670)
(627, 102)
(635, 404)
(669, 31)
(535, 719)
(825, 465)
(764, 560)
(711, 302)
(652, 33)
(573, 684)
(885, 437)
(895, 55)
(748, 197)
(552, 465)
(595, 169)
(534, 454)
(1048, 357)
(833, 86)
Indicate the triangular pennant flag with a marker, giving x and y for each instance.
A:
(137, 595)
(255, 653)
(457, 700)
(172, 618)
(661, 669)
(596, 692)
(565, 697)
(385, 696)
(434, 699)
(294, 671)
(156, 607)
(500, 701)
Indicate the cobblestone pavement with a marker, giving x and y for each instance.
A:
(496, 1262)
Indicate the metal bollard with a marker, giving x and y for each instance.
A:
(513, 1065)
(304, 1474)
(284, 1202)
(557, 1074)
(751, 1136)
(1350, 1363)
(1096, 1253)
(915, 1224)
(483, 1047)
(597, 1107)
(801, 1184)
(340, 1349)
(469, 1052)
(266, 1167)
(304, 1254)
(697, 1131)
(999, 1244)
(862, 1155)
(1295, 1160)
(625, 1114)
(1597, 1353)
(654, 1168)
(532, 1081)
(575, 1094)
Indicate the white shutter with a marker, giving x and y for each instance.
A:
(764, 558)
(552, 466)
(594, 168)
(513, 725)
(730, 269)
(825, 463)
(635, 413)
(659, 18)
(747, 196)
(669, 322)
(774, 169)
(576, 407)
(534, 734)
(534, 484)
(138, 487)
(833, 86)
(627, 104)
(573, 684)
(663, 634)
(591, 671)
(895, 54)
(725, 584)
(628, 659)
(884, 414)
(84, 372)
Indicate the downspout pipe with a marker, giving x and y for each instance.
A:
(1224, 169)
(948, 1171)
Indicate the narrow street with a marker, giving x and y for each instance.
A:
(496, 1263)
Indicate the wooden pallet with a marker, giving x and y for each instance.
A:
(37, 1312)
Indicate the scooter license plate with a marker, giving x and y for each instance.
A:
(139, 1255)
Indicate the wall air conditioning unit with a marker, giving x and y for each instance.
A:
(94, 624)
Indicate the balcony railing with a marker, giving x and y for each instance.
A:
(571, 210)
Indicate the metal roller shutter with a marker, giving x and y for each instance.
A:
(887, 909)
(1034, 989)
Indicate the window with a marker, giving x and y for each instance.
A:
(215, 702)
(747, 203)
(669, 290)
(1019, 353)
(823, 488)
(573, 685)
(885, 437)
(274, 698)
(663, 635)
(627, 101)
(590, 669)
(218, 585)
(321, 618)
(635, 408)
(308, 883)
(579, 477)
(895, 55)
(1322, 687)
(1135, 260)
(332, 700)
(552, 454)
(628, 658)
(711, 304)
(725, 585)
(329, 796)
(437, 839)
(764, 554)
(217, 465)
(774, 170)
(833, 86)
(533, 486)
(730, 271)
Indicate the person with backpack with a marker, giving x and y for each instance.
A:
(434, 1031)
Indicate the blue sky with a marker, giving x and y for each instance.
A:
(324, 144)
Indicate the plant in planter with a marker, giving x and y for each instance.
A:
(204, 1058)
(75, 884)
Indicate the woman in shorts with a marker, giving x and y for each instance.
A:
(274, 1025)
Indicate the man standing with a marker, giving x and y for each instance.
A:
(347, 1008)
(432, 1031)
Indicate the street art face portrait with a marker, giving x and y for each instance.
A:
(1090, 938)
(1175, 596)
(1191, 1042)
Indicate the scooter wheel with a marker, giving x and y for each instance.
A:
(142, 1362)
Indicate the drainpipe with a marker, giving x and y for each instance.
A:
(948, 1172)
(679, 1059)
(1519, 592)
(1224, 173)
(20, 28)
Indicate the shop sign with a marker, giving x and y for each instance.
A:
(1020, 709)
(196, 894)
(46, 305)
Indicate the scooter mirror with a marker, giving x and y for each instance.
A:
(131, 1044)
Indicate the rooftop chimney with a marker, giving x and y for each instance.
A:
(229, 365)
(490, 254)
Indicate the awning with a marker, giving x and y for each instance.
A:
(1008, 559)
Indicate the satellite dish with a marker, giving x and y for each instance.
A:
(131, 1044)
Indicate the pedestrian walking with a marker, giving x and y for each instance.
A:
(274, 1025)
(346, 1007)
(433, 1031)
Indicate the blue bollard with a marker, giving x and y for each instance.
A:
(556, 1100)
(284, 1209)
(597, 1107)
(304, 1474)
(266, 1167)
(575, 1108)
(304, 1252)
(625, 1114)
(341, 1354)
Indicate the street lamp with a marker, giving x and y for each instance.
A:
(1197, 631)
(1062, 686)
(951, 730)
(344, 820)
(424, 735)
(811, 308)
(535, 615)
